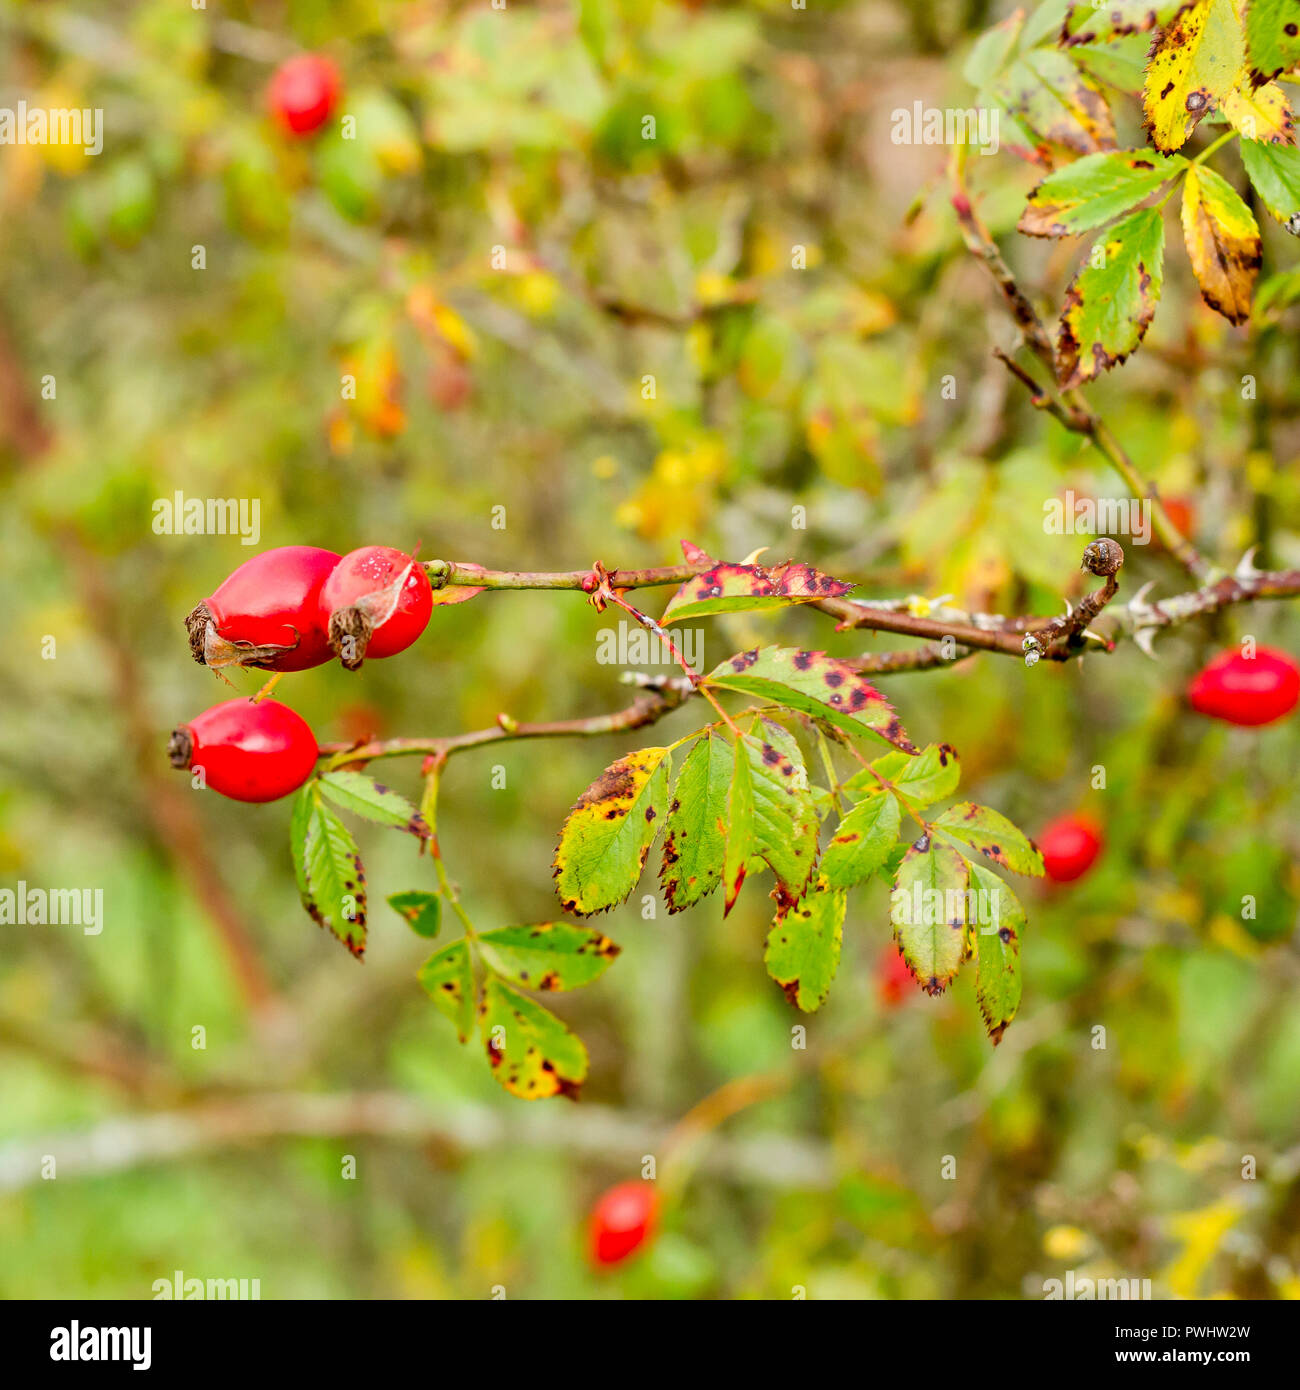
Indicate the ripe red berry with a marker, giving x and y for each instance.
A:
(267, 613)
(248, 752)
(376, 603)
(1069, 847)
(622, 1220)
(1247, 690)
(894, 980)
(304, 92)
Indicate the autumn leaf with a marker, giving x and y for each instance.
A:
(694, 835)
(533, 1055)
(739, 831)
(920, 781)
(1111, 301)
(606, 839)
(784, 818)
(1199, 58)
(1093, 190)
(803, 947)
(448, 978)
(327, 865)
(997, 947)
(1086, 22)
(862, 841)
(928, 908)
(1260, 113)
(1272, 38)
(815, 684)
(745, 588)
(1046, 92)
(422, 911)
(991, 833)
(1223, 243)
(547, 955)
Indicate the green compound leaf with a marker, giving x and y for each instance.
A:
(448, 978)
(299, 823)
(862, 841)
(997, 945)
(1275, 172)
(739, 830)
(745, 588)
(928, 908)
(1086, 22)
(1093, 190)
(803, 947)
(785, 825)
(815, 684)
(1272, 38)
(335, 878)
(1110, 304)
(606, 839)
(991, 833)
(695, 837)
(363, 796)
(421, 911)
(533, 1055)
(547, 955)
(920, 781)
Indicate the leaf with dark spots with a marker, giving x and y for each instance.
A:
(920, 781)
(547, 955)
(533, 1054)
(997, 946)
(606, 839)
(730, 588)
(694, 837)
(448, 979)
(1045, 92)
(422, 911)
(1112, 300)
(333, 875)
(995, 837)
(1093, 190)
(928, 910)
(1086, 22)
(862, 841)
(803, 946)
(784, 817)
(1272, 37)
(815, 684)
(1223, 242)
(737, 830)
(363, 796)
(1195, 62)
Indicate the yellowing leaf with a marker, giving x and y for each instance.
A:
(1111, 302)
(1197, 61)
(1046, 92)
(448, 977)
(1260, 113)
(606, 839)
(1222, 242)
(1093, 190)
(532, 1053)
(928, 908)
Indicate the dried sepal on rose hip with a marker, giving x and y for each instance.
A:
(247, 751)
(375, 603)
(1247, 690)
(622, 1220)
(267, 613)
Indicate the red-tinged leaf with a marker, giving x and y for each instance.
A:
(695, 555)
(814, 684)
(730, 588)
(738, 830)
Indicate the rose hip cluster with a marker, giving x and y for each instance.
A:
(288, 610)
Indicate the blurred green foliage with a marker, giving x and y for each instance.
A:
(501, 260)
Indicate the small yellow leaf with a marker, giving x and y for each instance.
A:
(1260, 114)
(1223, 243)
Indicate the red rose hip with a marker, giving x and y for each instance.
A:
(1247, 690)
(267, 613)
(375, 603)
(303, 93)
(894, 981)
(248, 752)
(622, 1220)
(1069, 847)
